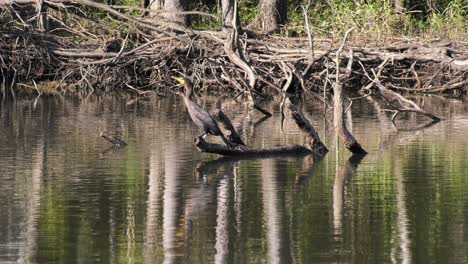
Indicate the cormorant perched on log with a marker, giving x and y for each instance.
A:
(200, 116)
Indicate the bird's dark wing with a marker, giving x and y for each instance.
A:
(203, 119)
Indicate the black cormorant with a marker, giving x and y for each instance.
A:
(200, 116)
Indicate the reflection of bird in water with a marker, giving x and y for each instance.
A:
(200, 116)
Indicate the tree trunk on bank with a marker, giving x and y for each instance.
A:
(399, 6)
(173, 8)
(227, 7)
(154, 4)
(271, 15)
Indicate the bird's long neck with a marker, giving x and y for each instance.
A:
(188, 91)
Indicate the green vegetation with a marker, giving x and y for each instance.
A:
(377, 20)
(374, 20)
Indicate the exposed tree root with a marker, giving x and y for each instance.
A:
(81, 50)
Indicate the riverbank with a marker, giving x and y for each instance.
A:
(61, 50)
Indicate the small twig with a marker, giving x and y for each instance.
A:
(39, 95)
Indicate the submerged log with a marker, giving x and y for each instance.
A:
(117, 142)
(292, 102)
(204, 146)
(349, 140)
(312, 139)
(394, 100)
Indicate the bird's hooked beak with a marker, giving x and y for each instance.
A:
(181, 81)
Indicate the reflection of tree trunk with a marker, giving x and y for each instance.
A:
(338, 190)
(341, 177)
(170, 204)
(271, 212)
(402, 218)
(152, 210)
(226, 199)
(34, 201)
(222, 221)
(238, 193)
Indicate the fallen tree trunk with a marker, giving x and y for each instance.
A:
(312, 143)
(292, 102)
(396, 101)
(204, 146)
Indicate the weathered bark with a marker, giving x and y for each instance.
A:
(338, 114)
(173, 10)
(231, 134)
(407, 105)
(154, 4)
(271, 15)
(340, 126)
(227, 7)
(292, 101)
(230, 46)
(312, 139)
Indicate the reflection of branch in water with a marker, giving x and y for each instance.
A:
(341, 177)
(309, 165)
(210, 167)
(109, 150)
(421, 127)
(257, 124)
(260, 121)
(389, 133)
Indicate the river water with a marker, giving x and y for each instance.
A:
(66, 197)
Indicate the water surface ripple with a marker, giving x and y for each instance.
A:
(67, 196)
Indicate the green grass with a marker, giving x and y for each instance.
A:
(374, 20)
